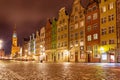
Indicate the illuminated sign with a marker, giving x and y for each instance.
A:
(104, 56)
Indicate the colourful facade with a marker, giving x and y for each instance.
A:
(42, 44)
(48, 39)
(54, 40)
(92, 32)
(108, 31)
(77, 33)
(62, 36)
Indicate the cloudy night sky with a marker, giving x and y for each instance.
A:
(28, 15)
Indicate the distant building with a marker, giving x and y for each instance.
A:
(15, 49)
(25, 46)
(54, 39)
(48, 39)
(42, 44)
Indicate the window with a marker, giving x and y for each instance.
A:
(110, 6)
(94, 16)
(81, 23)
(89, 28)
(111, 17)
(71, 35)
(76, 18)
(111, 41)
(104, 42)
(76, 9)
(58, 37)
(81, 32)
(95, 50)
(104, 31)
(111, 29)
(95, 36)
(95, 26)
(61, 28)
(65, 27)
(89, 38)
(88, 18)
(89, 10)
(76, 26)
(81, 43)
(103, 20)
(58, 29)
(71, 27)
(103, 9)
(94, 8)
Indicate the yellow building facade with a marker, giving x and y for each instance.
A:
(62, 36)
(14, 48)
(108, 38)
(77, 33)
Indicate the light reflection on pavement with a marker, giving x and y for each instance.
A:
(16, 70)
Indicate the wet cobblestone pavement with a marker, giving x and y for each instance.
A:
(15, 70)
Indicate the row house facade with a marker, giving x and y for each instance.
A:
(42, 44)
(54, 40)
(48, 39)
(118, 29)
(92, 32)
(108, 33)
(62, 36)
(77, 33)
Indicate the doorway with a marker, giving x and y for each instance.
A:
(76, 56)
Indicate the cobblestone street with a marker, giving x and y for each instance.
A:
(15, 70)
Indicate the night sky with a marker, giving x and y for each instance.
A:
(28, 15)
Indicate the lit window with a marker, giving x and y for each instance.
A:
(89, 28)
(81, 43)
(95, 26)
(104, 9)
(95, 36)
(94, 16)
(88, 18)
(89, 38)
(81, 23)
(110, 6)
(76, 26)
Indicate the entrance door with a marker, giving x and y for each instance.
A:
(76, 56)
(54, 58)
(88, 57)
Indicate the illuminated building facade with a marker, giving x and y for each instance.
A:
(25, 46)
(54, 40)
(77, 33)
(108, 31)
(42, 44)
(14, 48)
(118, 29)
(48, 45)
(92, 31)
(62, 36)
